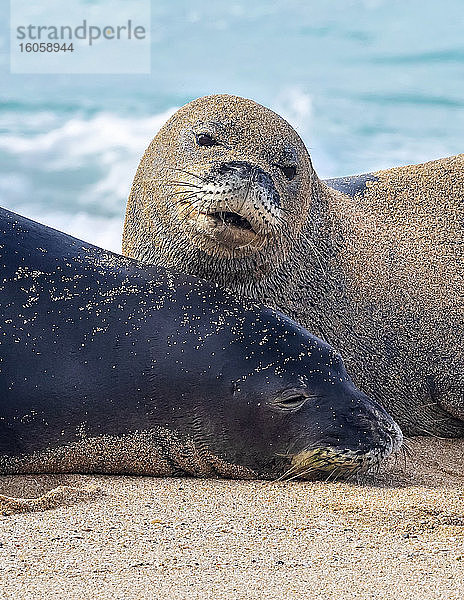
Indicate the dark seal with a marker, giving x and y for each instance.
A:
(111, 366)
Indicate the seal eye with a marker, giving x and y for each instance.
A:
(293, 402)
(288, 170)
(204, 139)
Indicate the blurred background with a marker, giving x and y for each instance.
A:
(368, 84)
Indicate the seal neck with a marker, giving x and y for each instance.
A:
(311, 274)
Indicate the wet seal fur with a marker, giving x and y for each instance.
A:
(373, 265)
(111, 366)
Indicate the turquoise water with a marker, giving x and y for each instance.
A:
(368, 84)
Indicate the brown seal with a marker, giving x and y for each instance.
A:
(226, 190)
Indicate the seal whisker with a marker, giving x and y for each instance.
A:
(338, 473)
(425, 431)
(405, 458)
(331, 474)
(190, 210)
(285, 210)
(205, 209)
(190, 201)
(406, 448)
(202, 179)
(176, 183)
(286, 474)
(301, 473)
(188, 194)
(189, 204)
(176, 190)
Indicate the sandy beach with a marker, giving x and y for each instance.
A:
(399, 536)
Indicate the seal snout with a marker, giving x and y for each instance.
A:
(236, 205)
(360, 437)
(251, 174)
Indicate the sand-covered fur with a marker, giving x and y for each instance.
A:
(226, 191)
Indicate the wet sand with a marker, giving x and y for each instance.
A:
(399, 536)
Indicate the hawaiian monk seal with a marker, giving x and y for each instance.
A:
(111, 366)
(226, 191)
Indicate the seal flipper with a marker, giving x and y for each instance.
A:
(353, 185)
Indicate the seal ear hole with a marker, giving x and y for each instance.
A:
(288, 170)
(205, 139)
(291, 402)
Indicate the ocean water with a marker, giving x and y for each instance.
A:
(368, 84)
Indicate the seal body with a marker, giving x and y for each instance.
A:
(108, 365)
(372, 264)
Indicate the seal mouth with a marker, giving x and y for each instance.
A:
(229, 230)
(231, 219)
(340, 464)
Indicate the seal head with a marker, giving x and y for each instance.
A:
(302, 408)
(227, 178)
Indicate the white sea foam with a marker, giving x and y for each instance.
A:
(294, 105)
(76, 175)
(105, 232)
(106, 137)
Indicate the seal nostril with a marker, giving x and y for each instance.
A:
(243, 169)
(254, 174)
(224, 168)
